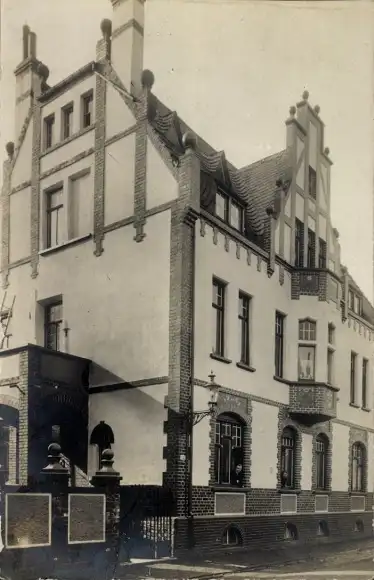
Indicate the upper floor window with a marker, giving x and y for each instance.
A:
(53, 325)
(353, 378)
(279, 343)
(312, 182)
(331, 334)
(354, 302)
(87, 110)
(358, 467)
(229, 211)
(288, 457)
(299, 243)
(244, 306)
(55, 222)
(321, 461)
(67, 121)
(218, 304)
(311, 256)
(49, 123)
(322, 254)
(229, 451)
(364, 401)
(307, 352)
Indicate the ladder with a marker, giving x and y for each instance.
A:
(5, 316)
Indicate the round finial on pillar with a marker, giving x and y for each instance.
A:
(327, 151)
(107, 459)
(336, 233)
(292, 111)
(148, 79)
(10, 149)
(305, 95)
(270, 211)
(189, 140)
(43, 71)
(106, 27)
(317, 109)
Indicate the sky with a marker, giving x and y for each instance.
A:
(231, 69)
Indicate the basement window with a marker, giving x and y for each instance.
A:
(232, 537)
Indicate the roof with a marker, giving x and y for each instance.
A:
(255, 185)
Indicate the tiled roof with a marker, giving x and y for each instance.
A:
(255, 184)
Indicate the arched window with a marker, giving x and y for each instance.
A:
(229, 451)
(288, 448)
(290, 532)
(358, 467)
(321, 461)
(232, 536)
(102, 436)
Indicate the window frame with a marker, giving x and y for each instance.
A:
(49, 212)
(311, 253)
(321, 465)
(364, 383)
(353, 379)
(56, 324)
(229, 203)
(227, 428)
(312, 182)
(219, 317)
(67, 115)
(288, 446)
(299, 243)
(48, 126)
(87, 98)
(358, 457)
(279, 336)
(244, 321)
(307, 337)
(322, 253)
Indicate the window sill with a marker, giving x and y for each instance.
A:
(245, 367)
(354, 405)
(321, 491)
(362, 493)
(287, 490)
(220, 358)
(67, 244)
(281, 380)
(366, 409)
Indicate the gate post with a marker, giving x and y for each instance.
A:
(56, 481)
(108, 479)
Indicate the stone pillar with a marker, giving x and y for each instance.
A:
(108, 480)
(56, 482)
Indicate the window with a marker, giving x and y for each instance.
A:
(354, 302)
(330, 366)
(49, 123)
(103, 437)
(321, 462)
(299, 244)
(364, 383)
(312, 181)
(87, 110)
(358, 466)
(331, 334)
(232, 537)
(311, 257)
(54, 218)
(322, 254)
(53, 326)
(279, 343)
(229, 211)
(288, 447)
(218, 304)
(307, 352)
(67, 121)
(229, 451)
(353, 378)
(244, 305)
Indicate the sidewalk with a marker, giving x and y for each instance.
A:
(225, 563)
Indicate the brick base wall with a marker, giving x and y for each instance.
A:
(269, 531)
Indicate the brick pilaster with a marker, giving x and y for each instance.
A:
(23, 431)
(35, 188)
(12, 455)
(5, 207)
(99, 175)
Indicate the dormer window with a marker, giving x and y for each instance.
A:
(312, 181)
(229, 211)
(354, 302)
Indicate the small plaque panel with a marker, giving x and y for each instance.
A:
(288, 504)
(321, 503)
(27, 520)
(86, 518)
(229, 503)
(358, 503)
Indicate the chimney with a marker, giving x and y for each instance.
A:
(128, 42)
(31, 76)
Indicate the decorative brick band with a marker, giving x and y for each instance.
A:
(9, 401)
(130, 24)
(99, 176)
(67, 140)
(35, 189)
(20, 187)
(140, 193)
(68, 162)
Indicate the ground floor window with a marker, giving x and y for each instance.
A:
(229, 451)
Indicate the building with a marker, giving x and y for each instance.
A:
(140, 259)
